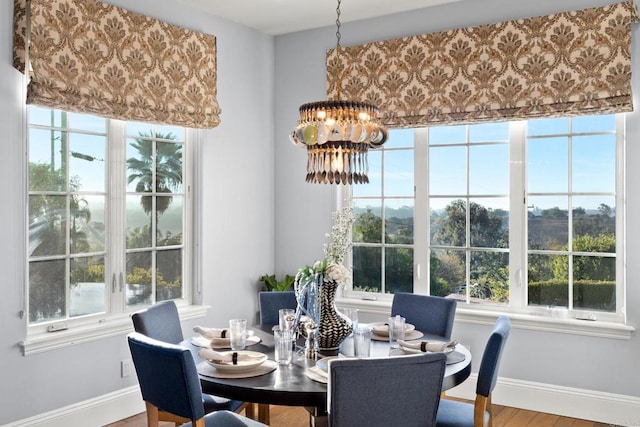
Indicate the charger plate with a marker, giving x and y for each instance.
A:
(317, 374)
(204, 368)
(452, 356)
(323, 364)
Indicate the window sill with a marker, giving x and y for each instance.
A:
(594, 328)
(103, 328)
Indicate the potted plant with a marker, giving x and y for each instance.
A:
(275, 285)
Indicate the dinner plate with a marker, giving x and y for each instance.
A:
(243, 365)
(200, 341)
(324, 362)
(382, 328)
(408, 336)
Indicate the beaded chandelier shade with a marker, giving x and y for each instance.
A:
(338, 135)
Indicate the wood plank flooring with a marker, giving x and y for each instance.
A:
(504, 416)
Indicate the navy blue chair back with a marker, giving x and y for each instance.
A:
(271, 302)
(488, 372)
(397, 391)
(167, 376)
(160, 321)
(429, 314)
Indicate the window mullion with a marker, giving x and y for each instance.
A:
(421, 275)
(518, 215)
(116, 174)
(621, 240)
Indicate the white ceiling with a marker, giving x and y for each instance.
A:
(286, 16)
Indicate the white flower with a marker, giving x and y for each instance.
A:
(339, 241)
(338, 273)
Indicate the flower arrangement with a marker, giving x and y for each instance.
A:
(335, 249)
(339, 241)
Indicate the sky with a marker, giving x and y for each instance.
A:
(562, 154)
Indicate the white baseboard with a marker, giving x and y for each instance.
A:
(95, 412)
(608, 408)
(614, 409)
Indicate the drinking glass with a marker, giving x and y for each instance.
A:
(396, 330)
(362, 341)
(283, 349)
(287, 317)
(238, 334)
(352, 314)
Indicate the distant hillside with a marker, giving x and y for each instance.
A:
(403, 212)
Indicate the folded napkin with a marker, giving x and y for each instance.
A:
(211, 332)
(229, 357)
(382, 330)
(433, 346)
(218, 337)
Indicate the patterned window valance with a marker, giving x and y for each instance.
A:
(562, 64)
(92, 57)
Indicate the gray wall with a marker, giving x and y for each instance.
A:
(238, 197)
(552, 358)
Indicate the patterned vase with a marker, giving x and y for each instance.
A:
(334, 326)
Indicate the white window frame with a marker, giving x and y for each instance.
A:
(581, 322)
(116, 319)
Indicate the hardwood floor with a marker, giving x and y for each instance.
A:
(284, 416)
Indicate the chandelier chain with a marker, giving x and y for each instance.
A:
(338, 35)
(338, 47)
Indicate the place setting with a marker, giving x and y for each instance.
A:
(446, 347)
(361, 336)
(219, 338)
(320, 371)
(403, 330)
(234, 364)
(237, 363)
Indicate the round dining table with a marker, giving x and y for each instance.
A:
(291, 386)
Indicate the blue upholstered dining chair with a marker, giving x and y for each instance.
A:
(460, 414)
(169, 382)
(271, 302)
(429, 314)
(162, 322)
(381, 392)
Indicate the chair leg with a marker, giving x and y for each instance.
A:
(479, 409)
(152, 415)
(169, 417)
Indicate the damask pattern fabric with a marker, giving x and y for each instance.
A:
(562, 64)
(92, 57)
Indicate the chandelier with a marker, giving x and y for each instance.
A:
(338, 135)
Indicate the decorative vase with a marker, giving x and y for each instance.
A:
(317, 302)
(334, 326)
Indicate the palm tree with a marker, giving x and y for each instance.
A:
(164, 171)
(168, 171)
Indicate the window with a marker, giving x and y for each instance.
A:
(517, 216)
(107, 203)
